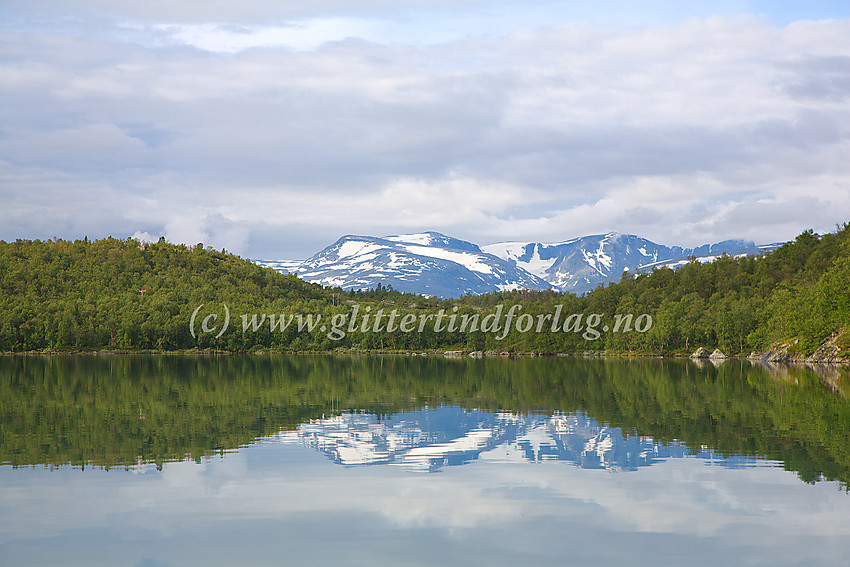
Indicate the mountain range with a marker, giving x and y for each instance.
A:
(434, 264)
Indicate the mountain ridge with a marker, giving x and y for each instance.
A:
(580, 264)
(431, 263)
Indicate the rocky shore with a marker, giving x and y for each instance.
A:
(830, 352)
(833, 351)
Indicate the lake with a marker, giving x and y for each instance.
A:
(155, 461)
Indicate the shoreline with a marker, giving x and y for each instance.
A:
(769, 357)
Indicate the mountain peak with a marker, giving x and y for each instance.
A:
(436, 239)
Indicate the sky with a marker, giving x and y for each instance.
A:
(273, 128)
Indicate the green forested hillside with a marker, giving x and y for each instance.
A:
(122, 295)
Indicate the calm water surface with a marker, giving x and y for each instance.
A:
(156, 461)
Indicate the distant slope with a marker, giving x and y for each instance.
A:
(427, 263)
(580, 264)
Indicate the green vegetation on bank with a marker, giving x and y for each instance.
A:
(122, 295)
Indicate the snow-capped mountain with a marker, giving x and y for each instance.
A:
(433, 264)
(429, 439)
(580, 264)
(428, 263)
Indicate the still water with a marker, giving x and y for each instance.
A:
(154, 461)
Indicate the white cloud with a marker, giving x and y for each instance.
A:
(144, 236)
(308, 34)
(672, 132)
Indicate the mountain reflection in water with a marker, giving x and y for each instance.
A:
(431, 438)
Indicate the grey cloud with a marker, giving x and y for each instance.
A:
(321, 136)
(818, 78)
(101, 136)
(762, 222)
(40, 204)
(809, 128)
(244, 12)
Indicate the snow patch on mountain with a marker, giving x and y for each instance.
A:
(476, 263)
